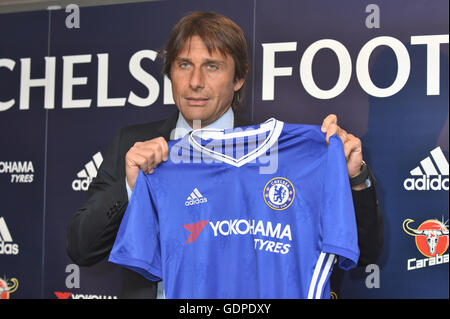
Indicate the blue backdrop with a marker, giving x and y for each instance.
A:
(381, 67)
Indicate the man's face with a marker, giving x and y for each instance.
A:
(202, 83)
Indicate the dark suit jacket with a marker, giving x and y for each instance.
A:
(94, 226)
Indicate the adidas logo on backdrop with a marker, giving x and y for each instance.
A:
(431, 174)
(7, 246)
(195, 198)
(86, 175)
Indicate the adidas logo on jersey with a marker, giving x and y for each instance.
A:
(7, 247)
(86, 175)
(195, 198)
(431, 174)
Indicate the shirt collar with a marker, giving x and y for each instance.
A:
(226, 121)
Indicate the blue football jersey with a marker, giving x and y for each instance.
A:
(263, 211)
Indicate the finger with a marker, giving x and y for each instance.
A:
(352, 145)
(136, 159)
(157, 155)
(164, 149)
(331, 130)
(139, 145)
(353, 153)
(329, 120)
(159, 147)
(348, 147)
(343, 135)
(144, 164)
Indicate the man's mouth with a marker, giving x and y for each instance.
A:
(196, 101)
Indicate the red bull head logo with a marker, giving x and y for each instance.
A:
(431, 236)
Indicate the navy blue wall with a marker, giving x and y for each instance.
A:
(45, 146)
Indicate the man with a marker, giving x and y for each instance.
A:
(206, 60)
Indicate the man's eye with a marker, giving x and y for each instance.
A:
(184, 65)
(212, 67)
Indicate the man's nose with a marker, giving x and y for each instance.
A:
(197, 80)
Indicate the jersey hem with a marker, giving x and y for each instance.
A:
(350, 259)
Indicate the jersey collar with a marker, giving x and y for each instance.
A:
(273, 126)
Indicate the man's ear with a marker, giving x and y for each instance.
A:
(238, 83)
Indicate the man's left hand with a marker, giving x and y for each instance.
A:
(352, 146)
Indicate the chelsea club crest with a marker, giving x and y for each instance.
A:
(279, 193)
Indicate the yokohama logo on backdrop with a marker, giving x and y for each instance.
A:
(70, 295)
(72, 281)
(21, 171)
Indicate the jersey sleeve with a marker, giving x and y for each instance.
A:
(339, 230)
(137, 244)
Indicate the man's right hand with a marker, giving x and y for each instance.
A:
(145, 156)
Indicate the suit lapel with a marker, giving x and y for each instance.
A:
(239, 121)
(168, 125)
